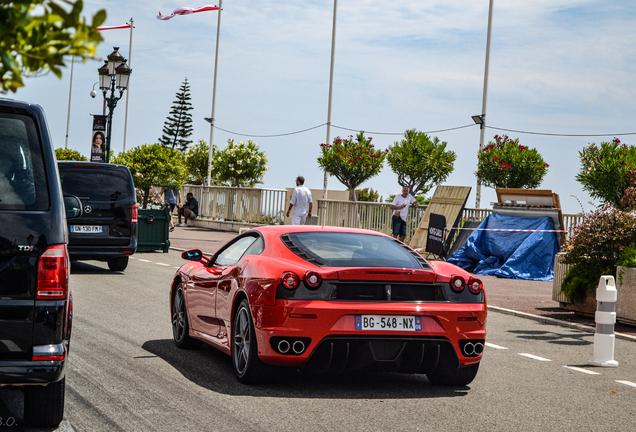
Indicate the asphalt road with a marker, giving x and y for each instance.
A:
(125, 374)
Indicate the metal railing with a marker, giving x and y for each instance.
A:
(249, 205)
(366, 215)
(267, 206)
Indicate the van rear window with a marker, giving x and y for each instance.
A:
(96, 184)
(23, 184)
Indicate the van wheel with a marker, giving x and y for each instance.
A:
(44, 405)
(118, 264)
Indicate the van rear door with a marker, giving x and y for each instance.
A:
(26, 227)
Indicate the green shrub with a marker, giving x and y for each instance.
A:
(595, 248)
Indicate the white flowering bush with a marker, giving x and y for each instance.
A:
(239, 165)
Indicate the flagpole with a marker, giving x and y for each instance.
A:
(333, 50)
(70, 92)
(128, 92)
(216, 62)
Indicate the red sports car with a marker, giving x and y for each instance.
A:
(330, 299)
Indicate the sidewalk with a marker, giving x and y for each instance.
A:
(517, 297)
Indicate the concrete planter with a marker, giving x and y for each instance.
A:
(626, 291)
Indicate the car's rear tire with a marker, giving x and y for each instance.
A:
(446, 375)
(118, 264)
(44, 405)
(249, 369)
(180, 324)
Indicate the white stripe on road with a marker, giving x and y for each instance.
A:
(534, 357)
(578, 369)
(491, 345)
(167, 265)
(629, 383)
(144, 260)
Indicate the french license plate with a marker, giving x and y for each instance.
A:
(86, 229)
(389, 322)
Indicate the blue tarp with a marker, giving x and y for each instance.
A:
(511, 255)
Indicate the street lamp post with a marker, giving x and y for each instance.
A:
(113, 75)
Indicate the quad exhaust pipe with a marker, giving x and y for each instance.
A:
(291, 346)
(473, 349)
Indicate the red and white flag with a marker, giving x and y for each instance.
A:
(113, 27)
(186, 11)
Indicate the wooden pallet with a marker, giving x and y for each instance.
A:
(448, 201)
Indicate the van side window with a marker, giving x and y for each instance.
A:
(22, 179)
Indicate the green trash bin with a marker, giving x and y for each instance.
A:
(153, 230)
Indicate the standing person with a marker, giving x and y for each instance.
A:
(190, 210)
(401, 205)
(301, 203)
(171, 198)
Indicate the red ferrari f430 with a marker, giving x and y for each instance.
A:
(330, 299)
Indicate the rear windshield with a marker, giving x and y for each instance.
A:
(354, 250)
(23, 183)
(97, 184)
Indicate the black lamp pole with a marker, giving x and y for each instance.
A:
(113, 75)
(111, 103)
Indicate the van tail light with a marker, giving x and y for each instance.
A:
(457, 283)
(55, 352)
(475, 285)
(289, 280)
(135, 214)
(53, 271)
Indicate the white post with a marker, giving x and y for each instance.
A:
(333, 51)
(128, 90)
(605, 316)
(216, 63)
(70, 91)
(482, 126)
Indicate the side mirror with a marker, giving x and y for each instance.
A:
(73, 206)
(192, 255)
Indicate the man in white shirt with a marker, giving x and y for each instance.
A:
(300, 202)
(401, 205)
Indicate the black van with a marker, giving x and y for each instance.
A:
(107, 231)
(36, 307)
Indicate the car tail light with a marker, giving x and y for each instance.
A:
(53, 274)
(289, 280)
(135, 214)
(457, 283)
(475, 285)
(313, 279)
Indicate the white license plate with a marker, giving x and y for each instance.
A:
(86, 229)
(389, 322)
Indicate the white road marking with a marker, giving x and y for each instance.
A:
(534, 357)
(578, 369)
(491, 345)
(177, 267)
(629, 383)
(167, 265)
(144, 260)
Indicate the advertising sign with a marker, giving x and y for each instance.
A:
(98, 146)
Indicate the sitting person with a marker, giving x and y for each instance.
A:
(189, 210)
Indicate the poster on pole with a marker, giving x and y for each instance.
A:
(98, 146)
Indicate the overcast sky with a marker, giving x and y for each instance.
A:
(556, 67)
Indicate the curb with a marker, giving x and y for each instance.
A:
(547, 320)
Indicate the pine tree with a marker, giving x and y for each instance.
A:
(178, 125)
